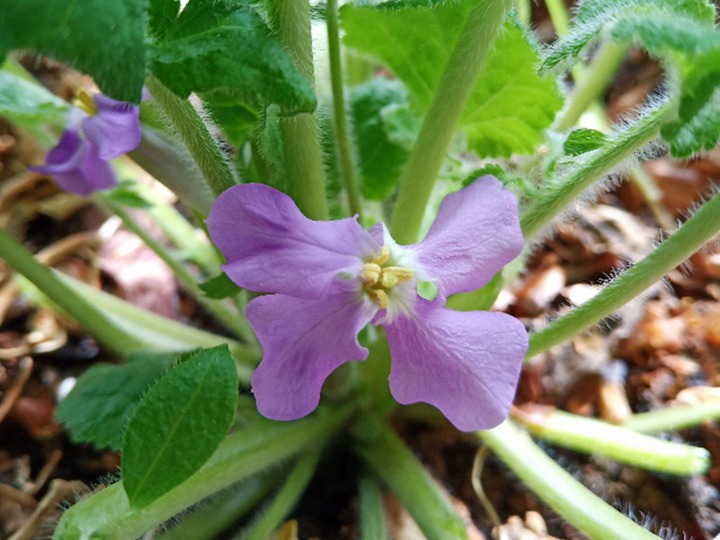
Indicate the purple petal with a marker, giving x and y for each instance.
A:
(466, 364)
(76, 167)
(115, 129)
(270, 246)
(475, 234)
(303, 342)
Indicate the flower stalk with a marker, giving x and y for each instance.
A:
(549, 481)
(438, 127)
(396, 466)
(300, 133)
(75, 305)
(616, 442)
(287, 497)
(690, 237)
(193, 132)
(342, 133)
(232, 320)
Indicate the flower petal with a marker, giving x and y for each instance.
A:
(115, 129)
(270, 246)
(303, 342)
(76, 167)
(466, 364)
(475, 234)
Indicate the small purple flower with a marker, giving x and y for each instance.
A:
(331, 278)
(80, 163)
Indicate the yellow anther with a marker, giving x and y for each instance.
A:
(370, 273)
(379, 296)
(83, 100)
(400, 273)
(383, 257)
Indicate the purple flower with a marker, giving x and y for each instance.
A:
(331, 278)
(80, 163)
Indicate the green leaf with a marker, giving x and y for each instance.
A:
(98, 407)
(583, 140)
(103, 39)
(226, 45)
(161, 16)
(236, 119)
(219, 287)
(25, 102)
(381, 159)
(178, 424)
(597, 16)
(682, 34)
(510, 104)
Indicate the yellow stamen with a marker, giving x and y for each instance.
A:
(383, 257)
(379, 296)
(378, 281)
(401, 273)
(83, 100)
(370, 273)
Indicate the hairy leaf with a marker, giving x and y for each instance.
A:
(583, 140)
(98, 408)
(381, 159)
(179, 424)
(510, 104)
(226, 45)
(104, 39)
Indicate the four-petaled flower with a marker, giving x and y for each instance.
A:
(101, 130)
(331, 278)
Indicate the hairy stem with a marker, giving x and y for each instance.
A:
(300, 133)
(697, 230)
(549, 481)
(193, 132)
(342, 133)
(75, 305)
(592, 83)
(565, 190)
(468, 56)
(108, 514)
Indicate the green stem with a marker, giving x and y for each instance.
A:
(107, 514)
(288, 496)
(565, 190)
(616, 442)
(193, 132)
(170, 164)
(524, 12)
(372, 511)
(397, 467)
(558, 15)
(674, 418)
(690, 237)
(592, 84)
(158, 333)
(342, 133)
(300, 133)
(225, 508)
(75, 305)
(231, 320)
(549, 481)
(468, 56)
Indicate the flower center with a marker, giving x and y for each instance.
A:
(85, 102)
(378, 279)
